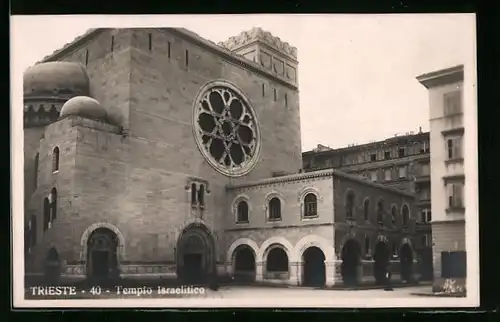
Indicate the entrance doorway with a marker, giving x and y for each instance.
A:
(102, 261)
(314, 267)
(52, 266)
(381, 262)
(195, 255)
(406, 259)
(351, 255)
(193, 267)
(244, 264)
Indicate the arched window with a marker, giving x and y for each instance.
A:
(393, 214)
(35, 175)
(201, 195)
(193, 194)
(275, 209)
(242, 212)
(380, 211)
(366, 206)
(55, 159)
(46, 214)
(53, 204)
(405, 214)
(350, 205)
(310, 205)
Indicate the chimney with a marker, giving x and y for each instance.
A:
(420, 129)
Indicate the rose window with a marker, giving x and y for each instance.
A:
(226, 129)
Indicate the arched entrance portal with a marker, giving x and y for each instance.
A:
(406, 260)
(195, 254)
(244, 264)
(102, 261)
(351, 255)
(314, 267)
(381, 262)
(277, 263)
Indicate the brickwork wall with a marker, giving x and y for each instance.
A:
(32, 138)
(109, 70)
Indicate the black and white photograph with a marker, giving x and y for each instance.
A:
(244, 161)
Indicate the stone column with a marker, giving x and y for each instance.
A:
(229, 269)
(331, 274)
(259, 271)
(294, 273)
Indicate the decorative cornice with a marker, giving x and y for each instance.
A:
(256, 34)
(442, 77)
(317, 174)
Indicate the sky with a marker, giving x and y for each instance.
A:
(357, 73)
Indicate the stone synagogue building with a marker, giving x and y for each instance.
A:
(155, 153)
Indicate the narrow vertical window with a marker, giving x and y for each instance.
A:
(201, 195)
(86, 57)
(55, 159)
(150, 39)
(35, 175)
(112, 43)
(450, 148)
(53, 204)
(187, 58)
(193, 194)
(46, 214)
(286, 100)
(33, 231)
(366, 206)
(168, 49)
(263, 90)
(275, 95)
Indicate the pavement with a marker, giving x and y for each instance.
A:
(239, 292)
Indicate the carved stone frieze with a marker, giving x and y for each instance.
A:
(257, 34)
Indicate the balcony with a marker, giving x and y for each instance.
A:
(423, 178)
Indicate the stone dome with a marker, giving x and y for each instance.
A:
(84, 106)
(56, 79)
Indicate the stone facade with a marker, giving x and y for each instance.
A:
(130, 188)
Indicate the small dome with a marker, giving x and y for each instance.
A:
(84, 106)
(61, 79)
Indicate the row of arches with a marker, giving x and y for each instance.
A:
(276, 263)
(380, 210)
